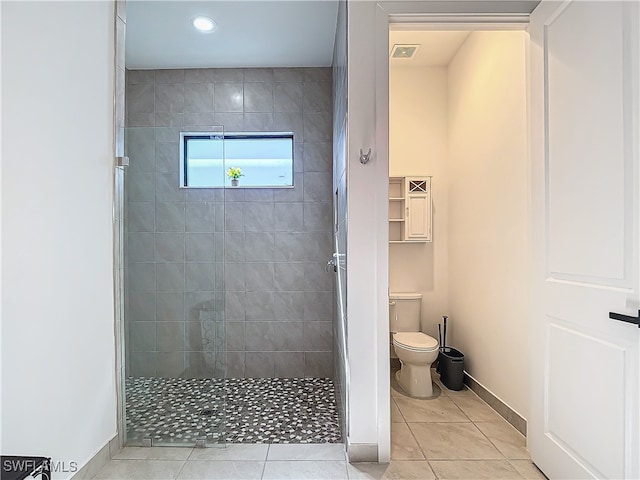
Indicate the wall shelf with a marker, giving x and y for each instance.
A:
(409, 209)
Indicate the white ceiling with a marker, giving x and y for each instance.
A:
(262, 33)
(437, 48)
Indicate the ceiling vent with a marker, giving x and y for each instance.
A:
(404, 51)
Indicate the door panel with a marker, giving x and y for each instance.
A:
(584, 419)
(585, 120)
(566, 390)
(416, 217)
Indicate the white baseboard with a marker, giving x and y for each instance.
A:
(362, 452)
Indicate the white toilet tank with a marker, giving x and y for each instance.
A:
(404, 312)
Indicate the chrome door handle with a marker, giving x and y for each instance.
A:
(331, 265)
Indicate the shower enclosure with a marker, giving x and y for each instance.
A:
(229, 308)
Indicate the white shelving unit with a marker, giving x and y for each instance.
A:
(409, 209)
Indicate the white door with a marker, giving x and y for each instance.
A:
(584, 419)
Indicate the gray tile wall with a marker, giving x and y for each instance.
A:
(229, 281)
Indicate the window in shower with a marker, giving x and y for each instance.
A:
(265, 159)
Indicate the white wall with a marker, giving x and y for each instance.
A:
(58, 386)
(364, 268)
(488, 213)
(418, 146)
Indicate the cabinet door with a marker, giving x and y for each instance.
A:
(418, 210)
(417, 216)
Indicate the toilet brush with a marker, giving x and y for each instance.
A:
(440, 344)
(444, 332)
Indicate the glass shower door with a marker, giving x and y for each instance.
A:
(174, 287)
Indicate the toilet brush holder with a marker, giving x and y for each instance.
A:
(451, 368)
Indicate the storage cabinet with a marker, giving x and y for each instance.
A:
(409, 209)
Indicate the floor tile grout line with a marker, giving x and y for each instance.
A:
(520, 476)
(413, 435)
(514, 467)
(398, 407)
(264, 464)
(184, 463)
(493, 443)
(431, 468)
(461, 410)
(489, 440)
(190, 453)
(266, 458)
(457, 459)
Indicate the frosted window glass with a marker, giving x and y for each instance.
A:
(266, 159)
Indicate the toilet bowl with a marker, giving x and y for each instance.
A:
(416, 351)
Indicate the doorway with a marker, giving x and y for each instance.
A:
(555, 59)
(457, 114)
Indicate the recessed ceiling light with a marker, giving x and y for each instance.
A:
(204, 24)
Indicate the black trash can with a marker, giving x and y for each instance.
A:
(451, 368)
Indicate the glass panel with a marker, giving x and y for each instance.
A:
(264, 161)
(174, 292)
(202, 160)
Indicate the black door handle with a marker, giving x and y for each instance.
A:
(626, 318)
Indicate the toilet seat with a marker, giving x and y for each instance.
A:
(415, 341)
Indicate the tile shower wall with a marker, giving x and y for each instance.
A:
(259, 255)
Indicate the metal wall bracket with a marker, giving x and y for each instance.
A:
(122, 161)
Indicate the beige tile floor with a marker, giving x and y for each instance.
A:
(235, 461)
(453, 436)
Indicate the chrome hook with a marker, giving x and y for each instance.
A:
(365, 157)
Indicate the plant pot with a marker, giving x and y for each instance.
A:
(234, 182)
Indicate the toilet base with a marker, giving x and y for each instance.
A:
(415, 380)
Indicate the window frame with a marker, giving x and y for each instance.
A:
(186, 136)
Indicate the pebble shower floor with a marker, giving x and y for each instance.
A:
(235, 410)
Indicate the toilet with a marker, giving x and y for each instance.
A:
(416, 350)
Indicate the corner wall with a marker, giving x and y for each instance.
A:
(418, 146)
(489, 213)
(367, 232)
(58, 365)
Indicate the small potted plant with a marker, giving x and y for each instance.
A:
(234, 173)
